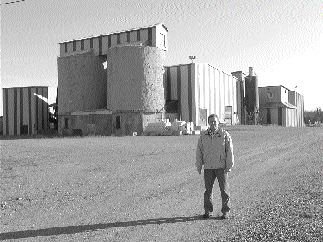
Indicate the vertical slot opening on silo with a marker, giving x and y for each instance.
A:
(66, 123)
(118, 122)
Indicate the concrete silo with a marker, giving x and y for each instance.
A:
(81, 88)
(135, 91)
(81, 83)
(252, 97)
(241, 108)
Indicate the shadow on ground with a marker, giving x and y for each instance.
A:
(92, 227)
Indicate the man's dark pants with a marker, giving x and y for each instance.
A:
(209, 178)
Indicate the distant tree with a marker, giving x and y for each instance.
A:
(313, 116)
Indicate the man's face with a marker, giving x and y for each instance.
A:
(214, 123)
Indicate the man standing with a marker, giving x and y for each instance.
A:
(215, 152)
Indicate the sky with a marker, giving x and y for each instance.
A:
(281, 39)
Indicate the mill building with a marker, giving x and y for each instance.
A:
(117, 83)
(135, 87)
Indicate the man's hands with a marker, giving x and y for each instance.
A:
(199, 170)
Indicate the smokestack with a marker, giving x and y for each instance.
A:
(251, 71)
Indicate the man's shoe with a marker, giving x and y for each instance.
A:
(206, 215)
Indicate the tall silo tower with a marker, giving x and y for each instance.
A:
(252, 97)
(135, 91)
(241, 107)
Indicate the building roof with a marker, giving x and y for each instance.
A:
(24, 87)
(279, 104)
(118, 32)
(276, 86)
(239, 72)
(201, 63)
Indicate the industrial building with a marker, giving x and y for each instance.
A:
(135, 87)
(272, 105)
(25, 110)
(281, 106)
(247, 97)
(154, 35)
(119, 98)
(194, 91)
(115, 84)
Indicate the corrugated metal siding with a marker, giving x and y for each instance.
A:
(133, 36)
(23, 107)
(33, 110)
(184, 93)
(222, 96)
(291, 117)
(212, 89)
(274, 115)
(45, 110)
(201, 86)
(173, 82)
(5, 112)
(300, 109)
(143, 35)
(102, 43)
(11, 111)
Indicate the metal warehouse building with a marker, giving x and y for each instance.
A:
(25, 110)
(281, 106)
(196, 90)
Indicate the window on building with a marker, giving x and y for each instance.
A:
(128, 37)
(82, 44)
(118, 38)
(109, 41)
(150, 37)
(100, 45)
(65, 47)
(74, 45)
(118, 122)
(162, 40)
(24, 129)
(138, 35)
(66, 123)
(91, 43)
(269, 94)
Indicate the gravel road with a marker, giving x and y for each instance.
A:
(147, 189)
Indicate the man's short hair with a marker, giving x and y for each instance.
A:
(213, 116)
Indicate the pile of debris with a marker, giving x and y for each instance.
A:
(176, 128)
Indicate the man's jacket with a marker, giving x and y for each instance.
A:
(214, 150)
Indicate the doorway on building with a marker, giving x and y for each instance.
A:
(268, 116)
(24, 129)
(228, 114)
(280, 116)
(203, 117)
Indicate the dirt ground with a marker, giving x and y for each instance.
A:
(147, 188)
